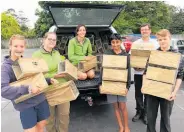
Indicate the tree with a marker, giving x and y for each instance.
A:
(31, 33)
(20, 16)
(12, 12)
(177, 24)
(9, 26)
(136, 13)
(44, 21)
(22, 20)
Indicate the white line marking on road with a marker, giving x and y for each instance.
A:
(179, 106)
(6, 101)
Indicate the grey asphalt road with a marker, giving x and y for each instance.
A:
(99, 118)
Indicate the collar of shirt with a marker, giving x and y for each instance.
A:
(146, 41)
(46, 52)
(121, 53)
(79, 42)
(170, 49)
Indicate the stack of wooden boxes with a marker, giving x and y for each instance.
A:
(29, 71)
(161, 74)
(114, 76)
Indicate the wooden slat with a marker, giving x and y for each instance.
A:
(168, 59)
(141, 53)
(158, 89)
(162, 75)
(114, 61)
(68, 69)
(115, 75)
(113, 88)
(138, 62)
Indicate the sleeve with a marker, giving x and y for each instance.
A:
(147, 64)
(181, 69)
(10, 92)
(100, 78)
(48, 80)
(71, 54)
(89, 48)
(129, 72)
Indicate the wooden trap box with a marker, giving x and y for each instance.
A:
(158, 89)
(68, 69)
(114, 61)
(138, 62)
(29, 66)
(143, 46)
(113, 88)
(115, 75)
(87, 65)
(37, 80)
(139, 58)
(167, 59)
(61, 93)
(161, 75)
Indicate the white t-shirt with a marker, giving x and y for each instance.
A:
(140, 41)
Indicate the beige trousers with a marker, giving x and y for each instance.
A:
(59, 118)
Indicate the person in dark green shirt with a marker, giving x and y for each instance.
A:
(79, 49)
(154, 102)
(119, 102)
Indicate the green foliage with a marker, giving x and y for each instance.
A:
(9, 26)
(136, 13)
(177, 24)
(13, 23)
(44, 21)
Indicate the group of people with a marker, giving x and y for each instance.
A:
(36, 114)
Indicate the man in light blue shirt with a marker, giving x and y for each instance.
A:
(145, 30)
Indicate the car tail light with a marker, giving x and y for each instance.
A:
(127, 45)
